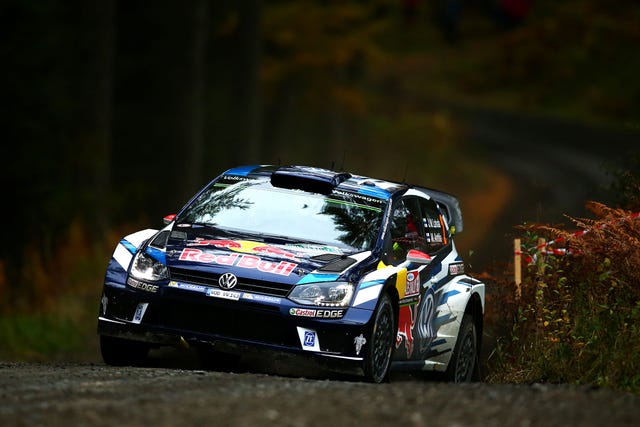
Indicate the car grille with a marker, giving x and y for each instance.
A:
(223, 319)
(246, 285)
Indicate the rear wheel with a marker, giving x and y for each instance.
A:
(123, 352)
(463, 366)
(381, 340)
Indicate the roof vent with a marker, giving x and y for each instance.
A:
(314, 180)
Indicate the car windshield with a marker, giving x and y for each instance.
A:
(347, 220)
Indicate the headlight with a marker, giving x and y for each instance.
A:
(330, 294)
(144, 267)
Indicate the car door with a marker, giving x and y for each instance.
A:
(416, 225)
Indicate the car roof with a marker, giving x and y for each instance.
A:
(335, 180)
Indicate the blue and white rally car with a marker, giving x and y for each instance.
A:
(359, 274)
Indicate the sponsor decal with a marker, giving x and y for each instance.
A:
(308, 339)
(359, 342)
(412, 287)
(406, 322)
(188, 286)
(139, 313)
(357, 196)
(434, 238)
(261, 298)
(409, 300)
(304, 312)
(432, 222)
(283, 268)
(219, 293)
(321, 314)
(329, 314)
(313, 248)
(456, 269)
(143, 286)
(235, 178)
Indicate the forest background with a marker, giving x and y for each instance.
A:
(115, 112)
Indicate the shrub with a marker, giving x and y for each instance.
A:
(578, 317)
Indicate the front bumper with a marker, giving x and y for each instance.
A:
(176, 316)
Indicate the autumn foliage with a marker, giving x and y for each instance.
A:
(578, 319)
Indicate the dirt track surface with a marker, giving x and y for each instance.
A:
(98, 395)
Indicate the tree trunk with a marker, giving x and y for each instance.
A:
(247, 82)
(195, 99)
(95, 111)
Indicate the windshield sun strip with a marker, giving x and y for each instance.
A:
(357, 205)
(328, 200)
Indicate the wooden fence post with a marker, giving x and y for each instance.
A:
(517, 265)
(541, 283)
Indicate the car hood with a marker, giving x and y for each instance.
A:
(291, 262)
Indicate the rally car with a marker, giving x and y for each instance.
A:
(359, 274)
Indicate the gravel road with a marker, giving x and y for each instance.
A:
(97, 395)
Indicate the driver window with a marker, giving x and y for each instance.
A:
(406, 231)
(436, 235)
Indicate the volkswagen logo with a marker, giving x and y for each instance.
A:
(228, 281)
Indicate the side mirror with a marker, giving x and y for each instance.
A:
(417, 257)
(169, 219)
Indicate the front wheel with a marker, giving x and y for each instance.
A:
(463, 365)
(380, 340)
(122, 352)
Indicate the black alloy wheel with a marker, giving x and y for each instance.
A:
(380, 342)
(463, 364)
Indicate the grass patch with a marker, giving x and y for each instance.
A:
(52, 314)
(47, 337)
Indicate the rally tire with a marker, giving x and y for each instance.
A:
(463, 366)
(122, 352)
(380, 342)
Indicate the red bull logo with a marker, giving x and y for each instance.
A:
(282, 268)
(406, 322)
